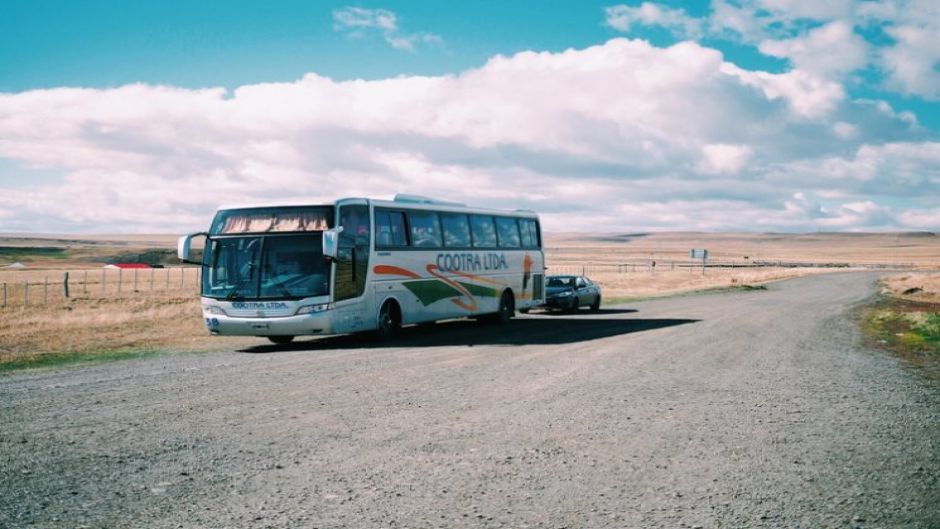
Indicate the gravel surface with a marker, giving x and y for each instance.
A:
(752, 409)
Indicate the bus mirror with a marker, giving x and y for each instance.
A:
(184, 247)
(331, 242)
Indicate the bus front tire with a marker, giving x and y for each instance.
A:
(281, 340)
(389, 321)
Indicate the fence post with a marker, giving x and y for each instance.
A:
(167, 280)
(120, 279)
(182, 276)
(26, 292)
(135, 280)
(65, 285)
(4, 294)
(152, 271)
(104, 282)
(85, 284)
(45, 290)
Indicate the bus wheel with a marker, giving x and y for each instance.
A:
(281, 340)
(389, 320)
(507, 308)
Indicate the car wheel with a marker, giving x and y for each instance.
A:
(596, 306)
(575, 304)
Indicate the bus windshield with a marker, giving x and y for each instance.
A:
(266, 267)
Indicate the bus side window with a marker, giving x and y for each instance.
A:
(530, 235)
(456, 230)
(508, 232)
(390, 229)
(425, 229)
(484, 233)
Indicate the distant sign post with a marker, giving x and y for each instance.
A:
(699, 253)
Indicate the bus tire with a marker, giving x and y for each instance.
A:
(507, 308)
(389, 320)
(281, 340)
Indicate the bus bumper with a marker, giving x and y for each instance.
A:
(306, 324)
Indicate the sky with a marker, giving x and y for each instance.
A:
(728, 115)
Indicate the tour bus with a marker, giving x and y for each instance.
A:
(362, 264)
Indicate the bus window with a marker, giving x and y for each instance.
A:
(484, 233)
(508, 232)
(390, 229)
(352, 261)
(425, 229)
(530, 235)
(456, 230)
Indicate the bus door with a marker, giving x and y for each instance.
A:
(352, 268)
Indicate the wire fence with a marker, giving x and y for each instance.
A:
(43, 287)
(691, 266)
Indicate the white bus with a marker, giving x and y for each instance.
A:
(361, 264)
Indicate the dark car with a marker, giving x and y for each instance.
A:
(571, 292)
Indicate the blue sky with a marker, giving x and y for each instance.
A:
(751, 115)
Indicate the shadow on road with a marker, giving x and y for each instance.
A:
(580, 312)
(539, 329)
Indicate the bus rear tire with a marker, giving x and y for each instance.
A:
(389, 321)
(281, 340)
(507, 308)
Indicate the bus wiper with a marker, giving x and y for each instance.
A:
(234, 292)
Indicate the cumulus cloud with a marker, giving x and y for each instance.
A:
(357, 22)
(829, 50)
(614, 135)
(622, 17)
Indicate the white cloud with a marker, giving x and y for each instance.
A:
(808, 95)
(829, 50)
(913, 61)
(720, 158)
(620, 134)
(357, 22)
(622, 17)
(353, 18)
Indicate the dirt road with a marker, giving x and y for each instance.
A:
(754, 409)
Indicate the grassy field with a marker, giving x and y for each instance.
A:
(159, 311)
(906, 320)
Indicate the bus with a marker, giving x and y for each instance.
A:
(361, 264)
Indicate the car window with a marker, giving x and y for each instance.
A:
(560, 281)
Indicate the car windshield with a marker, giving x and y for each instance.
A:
(561, 281)
(270, 267)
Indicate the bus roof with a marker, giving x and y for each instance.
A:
(399, 201)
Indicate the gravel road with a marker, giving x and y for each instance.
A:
(752, 409)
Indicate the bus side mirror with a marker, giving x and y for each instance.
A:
(184, 247)
(331, 242)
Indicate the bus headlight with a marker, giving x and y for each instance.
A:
(215, 309)
(312, 309)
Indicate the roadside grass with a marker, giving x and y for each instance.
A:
(621, 288)
(906, 320)
(100, 329)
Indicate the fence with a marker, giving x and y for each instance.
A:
(39, 287)
(689, 266)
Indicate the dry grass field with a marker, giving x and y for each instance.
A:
(155, 311)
